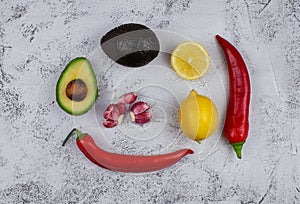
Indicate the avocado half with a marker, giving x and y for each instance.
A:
(76, 89)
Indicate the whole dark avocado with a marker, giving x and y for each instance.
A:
(131, 45)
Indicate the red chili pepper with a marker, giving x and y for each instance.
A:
(236, 123)
(121, 162)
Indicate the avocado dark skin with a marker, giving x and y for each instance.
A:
(131, 45)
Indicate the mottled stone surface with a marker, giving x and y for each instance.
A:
(38, 38)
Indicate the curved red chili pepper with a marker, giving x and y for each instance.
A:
(236, 123)
(121, 162)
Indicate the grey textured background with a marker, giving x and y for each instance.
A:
(38, 38)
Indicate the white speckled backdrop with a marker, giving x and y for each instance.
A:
(37, 40)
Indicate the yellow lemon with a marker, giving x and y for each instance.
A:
(190, 60)
(198, 116)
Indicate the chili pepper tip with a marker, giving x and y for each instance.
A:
(189, 151)
(218, 37)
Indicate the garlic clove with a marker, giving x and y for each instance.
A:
(143, 118)
(110, 123)
(139, 107)
(128, 98)
(112, 112)
(122, 108)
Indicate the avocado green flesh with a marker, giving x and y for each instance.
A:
(78, 68)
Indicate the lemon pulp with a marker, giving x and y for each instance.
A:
(190, 60)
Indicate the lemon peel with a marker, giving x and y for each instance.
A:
(198, 116)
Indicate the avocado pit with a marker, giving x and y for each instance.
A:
(76, 90)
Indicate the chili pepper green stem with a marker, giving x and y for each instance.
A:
(68, 136)
(79, 135)
(238, 148)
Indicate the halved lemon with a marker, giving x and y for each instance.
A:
(190, 60)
